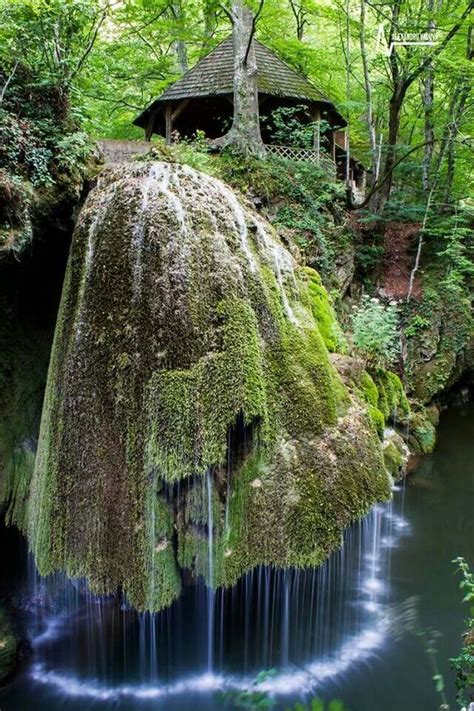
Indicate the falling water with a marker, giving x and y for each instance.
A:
(210, 587)
(310, 625)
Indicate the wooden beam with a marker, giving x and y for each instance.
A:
(150, 125)
(317, 133)
(168, 124)
(332, 144)
(181, 106)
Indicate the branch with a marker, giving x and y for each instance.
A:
(226, 12)
(5, 86)
(379, 185)
(150, 22)
(149, 45)
(254, 27)
(117, 102)
(89, 46)
(428, 60)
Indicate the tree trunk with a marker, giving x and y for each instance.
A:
(368, 96)
(182, 55)
(428, 96)
(245, 130)
(428, 93)
(180, 45)
(395, 107)
(299, 13)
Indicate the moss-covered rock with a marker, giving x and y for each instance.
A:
(439, 332)
(9, 647)
(324, 314)
(395, 454)
(422, 433)
(382, 392)
(191, 392)
(392, 400)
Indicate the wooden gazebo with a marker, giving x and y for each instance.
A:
(202, 100)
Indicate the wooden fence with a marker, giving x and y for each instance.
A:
(308, 155)
(115, 151)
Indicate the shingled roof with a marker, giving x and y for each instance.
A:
(213, 76)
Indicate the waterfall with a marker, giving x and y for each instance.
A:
(187, 329)
(311, 625)
(210, 582)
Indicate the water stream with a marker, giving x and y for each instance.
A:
(345, 630)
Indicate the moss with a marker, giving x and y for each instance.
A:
(395, 454)
(369, 389)
(164, 579)
(377, 419)
(435, 351)
(323, 312)
(422, 433)
(392, 399)
(191, 411)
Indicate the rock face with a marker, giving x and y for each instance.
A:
(187, 366)
(9, 647)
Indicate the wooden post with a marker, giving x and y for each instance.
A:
(348, 157)
(317, 135)
(168, 123)
(332, 143)
(178, 110)
(150, 125)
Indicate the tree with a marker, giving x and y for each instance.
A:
(402, 78)
(244, 133)
(51, 38)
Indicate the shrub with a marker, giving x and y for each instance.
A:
(464, 663)
(292, 126)
(375, 332)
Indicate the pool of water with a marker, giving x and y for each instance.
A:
(356, 629)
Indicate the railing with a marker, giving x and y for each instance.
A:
(116, 151)
(308, 155)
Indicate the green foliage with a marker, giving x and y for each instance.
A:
(307, 201)
(463, 664)
(452, 237)
(368, 257)
(253, 698)
(40, 149)
(416, 325)
(292, 126)
(375, 331)
(318, 705)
